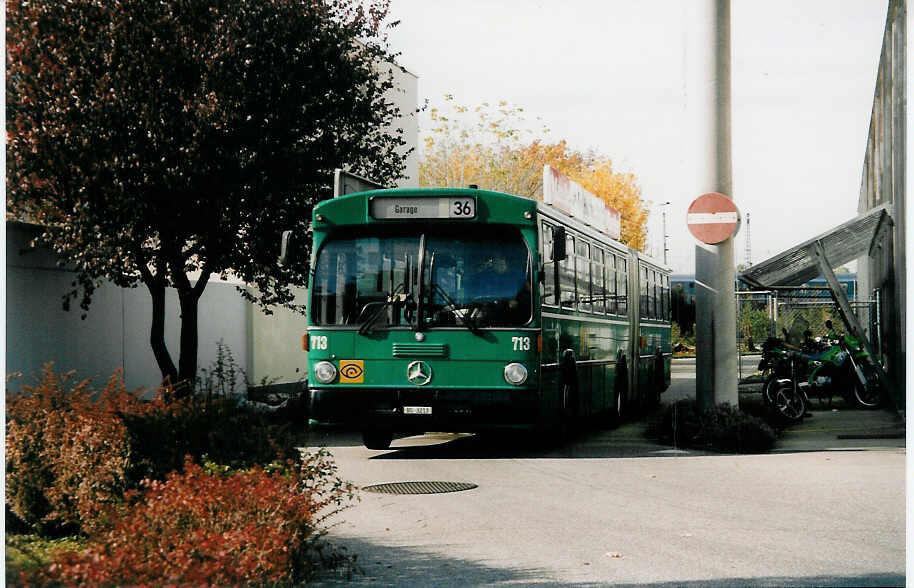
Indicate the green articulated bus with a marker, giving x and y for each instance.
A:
(467, 310)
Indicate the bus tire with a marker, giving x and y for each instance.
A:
(377, 438)
(658, 380)
(620, 391)
(568, 386)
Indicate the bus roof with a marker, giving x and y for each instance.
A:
(357, 208)
(418, 192)
(501, 207)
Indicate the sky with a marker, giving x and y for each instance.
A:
(615, 76)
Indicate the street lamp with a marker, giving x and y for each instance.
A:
(663, 206)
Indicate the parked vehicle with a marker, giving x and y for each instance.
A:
(470, 310)
(788, 395)
(835, 364)
(774, 365)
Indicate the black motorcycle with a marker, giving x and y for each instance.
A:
(775, 364)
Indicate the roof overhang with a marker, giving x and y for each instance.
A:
(799, 264)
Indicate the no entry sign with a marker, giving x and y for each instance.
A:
(713, 218)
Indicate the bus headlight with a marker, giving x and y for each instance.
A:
(324, 372)
(515, 374)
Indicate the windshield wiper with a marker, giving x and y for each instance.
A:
(465, 315)
(465, 318)
(421, 264)
(396, 296)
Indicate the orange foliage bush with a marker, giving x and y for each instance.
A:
(251, 527)
(72, 451)
(64, 457)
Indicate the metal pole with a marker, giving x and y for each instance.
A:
(715, 304)
(739, 336)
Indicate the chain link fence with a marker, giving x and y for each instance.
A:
(788, 313)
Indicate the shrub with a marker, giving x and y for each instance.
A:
(679, 424)
(72, 450)
(723, 427)
(259, 526)
(31, 554)
(729, 429)
(64, 457)
(220, 427)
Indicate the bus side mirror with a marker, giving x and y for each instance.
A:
(558, 244)
(290, 253)
(286, 249)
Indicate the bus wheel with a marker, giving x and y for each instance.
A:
(617, 413)
(657, 383)
(566, 412)
(377, 438)
(560, 430)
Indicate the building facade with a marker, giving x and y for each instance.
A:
(882, 272)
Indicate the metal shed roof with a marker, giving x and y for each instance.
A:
(798, 265)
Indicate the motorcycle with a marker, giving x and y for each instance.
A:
(774, 365)
(787, 395)
(822, 367)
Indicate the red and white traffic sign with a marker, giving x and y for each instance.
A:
(713, 218)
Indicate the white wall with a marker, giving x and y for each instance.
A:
(114, 334)
(276, 344)
(405, 95)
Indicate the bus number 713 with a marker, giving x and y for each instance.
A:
(521, 343)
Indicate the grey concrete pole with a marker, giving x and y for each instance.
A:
(715, 305)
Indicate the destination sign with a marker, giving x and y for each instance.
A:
(572, 199)
(383, 208)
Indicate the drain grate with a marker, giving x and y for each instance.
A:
(419, 487)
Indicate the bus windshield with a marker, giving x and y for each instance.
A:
(406, 278)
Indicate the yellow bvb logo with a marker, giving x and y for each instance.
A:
(352, 371)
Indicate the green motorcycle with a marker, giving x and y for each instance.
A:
(841, 365)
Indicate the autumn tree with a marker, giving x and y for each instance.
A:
(495, 147)
(166, 142)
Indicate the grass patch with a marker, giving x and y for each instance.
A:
(28, 553)
(753, 379)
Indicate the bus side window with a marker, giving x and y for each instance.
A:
(658, 295)
(582, 264)
(599, 288)
(643, 300)
(549, 266)
(661, 291)
(649, 295)
(610, 283)
(655, 295)
(622, 285)
(663, 297)
(566, 275)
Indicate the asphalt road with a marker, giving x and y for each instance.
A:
(613, 508)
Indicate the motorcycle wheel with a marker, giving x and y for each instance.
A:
(790, 404)
(768, 389)
(868, 395)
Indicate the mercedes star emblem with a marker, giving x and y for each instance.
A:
(419, 373)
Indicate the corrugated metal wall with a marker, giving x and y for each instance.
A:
(883, 181)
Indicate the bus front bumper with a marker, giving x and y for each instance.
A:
(426, 409)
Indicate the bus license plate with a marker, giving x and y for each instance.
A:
(417, 410)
